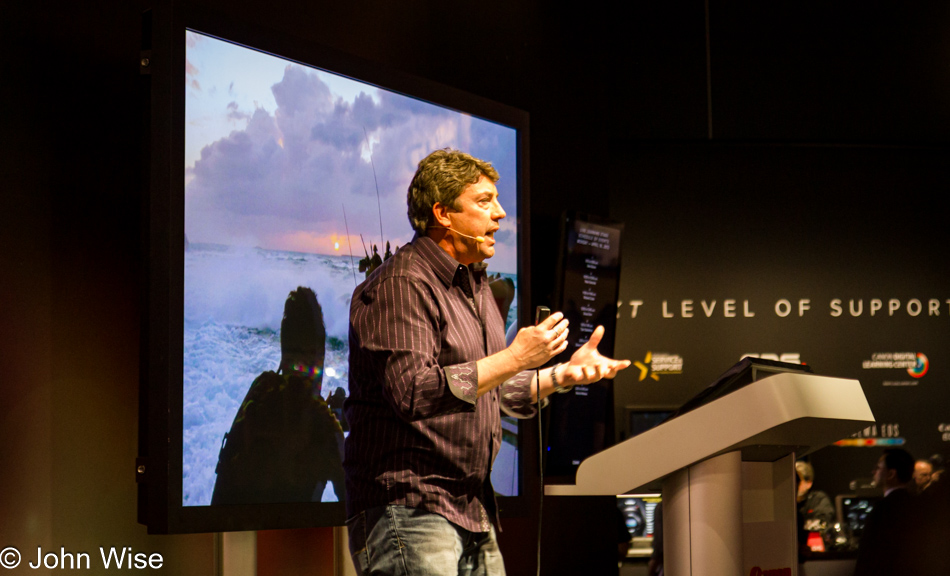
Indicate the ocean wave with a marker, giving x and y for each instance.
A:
(248, 287)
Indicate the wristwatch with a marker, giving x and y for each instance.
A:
(557, 386)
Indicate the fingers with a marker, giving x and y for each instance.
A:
(595, 338)
(535, 345)
(576, 374)
(586, 365)
(549, 322)
(556, 327)
(592, 373)
(616, 366)
(559, 333)
(583, 374)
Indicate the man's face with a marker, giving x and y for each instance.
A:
(881, 475)
(803, 488)
(478, 215)
(922, 473)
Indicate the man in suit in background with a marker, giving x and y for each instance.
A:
(923, 474)
(886, 546)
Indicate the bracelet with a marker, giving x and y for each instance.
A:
(557, 386)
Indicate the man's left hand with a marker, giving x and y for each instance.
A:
(587, 365)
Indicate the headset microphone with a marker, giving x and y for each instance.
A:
(478, 239)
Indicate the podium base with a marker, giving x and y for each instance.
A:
(723, 517)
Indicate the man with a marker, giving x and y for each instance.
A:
(923, 474)
(931, 530)
(429, 374)
(816, 513)
(285, 444)
(886, 546)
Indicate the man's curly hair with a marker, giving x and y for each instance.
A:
(441, 177)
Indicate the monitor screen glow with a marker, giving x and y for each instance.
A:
(294, 176)
(278, 171)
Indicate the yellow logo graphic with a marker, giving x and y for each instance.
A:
(645, 367)
(660, 363)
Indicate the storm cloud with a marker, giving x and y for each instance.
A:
(294, 171)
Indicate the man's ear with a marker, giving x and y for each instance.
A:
(891, 475)
(440, 214)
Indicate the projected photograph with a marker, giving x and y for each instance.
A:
(295, 191)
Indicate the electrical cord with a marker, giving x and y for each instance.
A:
(540, 468)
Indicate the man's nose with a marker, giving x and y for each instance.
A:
(498, 212)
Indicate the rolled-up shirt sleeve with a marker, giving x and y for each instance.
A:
(463, 381)
(400, 332)
(516, 395)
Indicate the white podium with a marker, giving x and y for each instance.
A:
(727, 469)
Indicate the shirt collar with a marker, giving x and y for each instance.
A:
(889, 490)
(442, 263)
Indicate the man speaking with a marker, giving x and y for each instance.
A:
(429, 376)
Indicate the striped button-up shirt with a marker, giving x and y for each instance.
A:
(419, 434)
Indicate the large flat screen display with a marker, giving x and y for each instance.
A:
(293, 190)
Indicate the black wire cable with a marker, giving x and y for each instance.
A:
(540, 468)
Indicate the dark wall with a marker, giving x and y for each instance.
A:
(830, 228)
(620, 104)
(820, 177)
(70, 250)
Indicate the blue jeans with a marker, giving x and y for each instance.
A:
(401, 541)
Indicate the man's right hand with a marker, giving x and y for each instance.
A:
(535, 345)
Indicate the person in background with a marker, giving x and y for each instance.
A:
(887, 547)
(930, 532)
(816, 512)
(937, 462)
(923, 475)
(335, 402)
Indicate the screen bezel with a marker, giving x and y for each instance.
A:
(159, 466)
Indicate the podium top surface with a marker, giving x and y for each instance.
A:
(766, 420)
